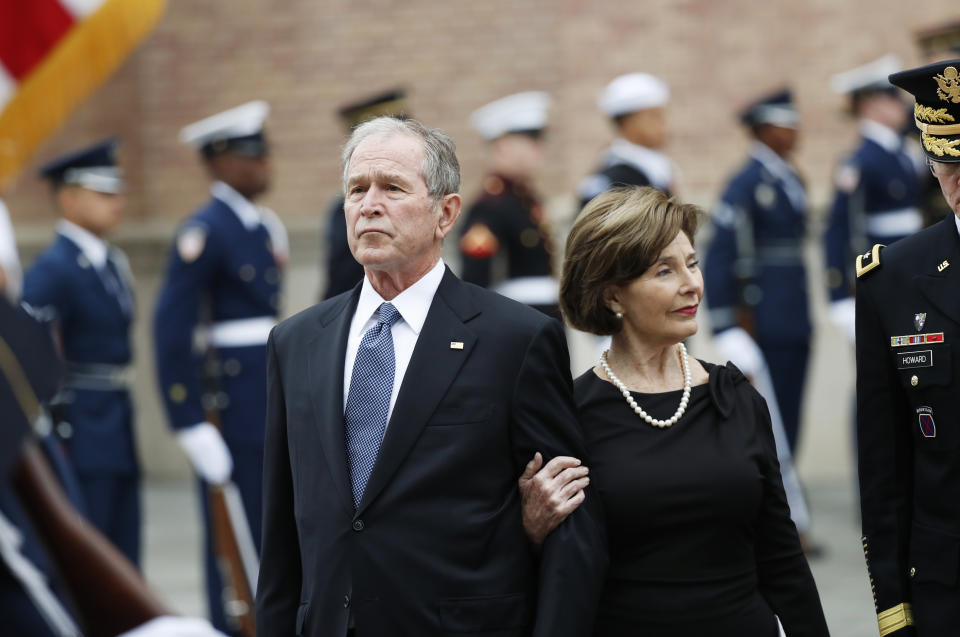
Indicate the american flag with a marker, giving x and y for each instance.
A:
(53, 55)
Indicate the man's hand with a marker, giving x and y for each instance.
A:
(551, 493)
(207, 451)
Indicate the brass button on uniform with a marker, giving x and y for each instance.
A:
(913, 571)
(358, 525)
(346, 601)
(914, 380)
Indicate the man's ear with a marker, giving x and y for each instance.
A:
(449, 213)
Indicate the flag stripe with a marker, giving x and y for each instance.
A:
(85, 57)
(8, 86)
(28, 32)
(81, 8)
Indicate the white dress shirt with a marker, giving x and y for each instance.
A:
(413, 305)
(956, 220)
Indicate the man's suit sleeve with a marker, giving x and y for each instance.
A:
(278, 588)
(885, 452)
(574, 558)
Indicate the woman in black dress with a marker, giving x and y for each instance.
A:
(681, 452)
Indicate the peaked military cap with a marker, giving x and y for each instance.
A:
(867, 79)
(392, 103)
(93, 167)
(237, 130)
(776, 109)
(518, 113)
(633, 92)
(936, 88)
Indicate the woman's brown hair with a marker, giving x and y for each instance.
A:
(617, 236)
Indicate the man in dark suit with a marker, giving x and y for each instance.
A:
(399, 416)
(908, 390)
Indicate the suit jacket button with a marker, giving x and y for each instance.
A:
(358, 525)
(913, 571)
(346, 601)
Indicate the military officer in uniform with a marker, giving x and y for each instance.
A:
(83, 287)
(222, 291)
(878, 187)
(754, 274)
(636, 105)
(908, 390)
(505, 243)
(343, 271)
(937, 42)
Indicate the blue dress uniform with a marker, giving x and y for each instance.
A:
(626, 163)
(877, 200)
(219, 300)
(754, 274)
(84, 288)
(343, 271)
(908, 383)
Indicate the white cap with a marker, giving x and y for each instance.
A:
(872, 75)
(514, 113)
(633, 92)
(241, 121)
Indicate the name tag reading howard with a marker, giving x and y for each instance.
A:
(919, 358)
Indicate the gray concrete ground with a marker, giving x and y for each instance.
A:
(172, 561)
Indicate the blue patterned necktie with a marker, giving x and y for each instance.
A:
(368, 402)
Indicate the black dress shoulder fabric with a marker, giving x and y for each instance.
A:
(700, 536)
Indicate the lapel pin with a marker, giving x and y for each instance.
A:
(456, 344)
(943, 266)
(919, 319)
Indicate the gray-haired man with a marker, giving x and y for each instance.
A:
(399, 417)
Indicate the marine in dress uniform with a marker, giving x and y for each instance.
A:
(222, 292)
(343, 271)
(636, 105)
(754, 275)
(908, 384)
(83, 287)
(878, 187)
(505, 243)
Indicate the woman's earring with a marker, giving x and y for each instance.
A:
(619, 315)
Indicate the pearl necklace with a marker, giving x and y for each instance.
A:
(633, 403)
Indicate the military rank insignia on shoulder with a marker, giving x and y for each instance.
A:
(869, 260)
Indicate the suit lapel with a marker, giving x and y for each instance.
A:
(941, 283)
(432, 368)
(326, 353)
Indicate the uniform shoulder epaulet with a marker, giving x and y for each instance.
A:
(869, 260)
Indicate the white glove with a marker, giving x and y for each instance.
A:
(843, 315)
(207, 452)
(739, 348)
(170, 626)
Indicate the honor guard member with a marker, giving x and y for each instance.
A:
(877, 188)
(220, 298)
(636, 105)
(908, 390)
(343, 271)
(939, 42)
(83, 287)
(754, 275)
(505, 244)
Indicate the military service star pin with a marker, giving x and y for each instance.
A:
(919, 319)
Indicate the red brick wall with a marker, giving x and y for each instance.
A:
(308, 57)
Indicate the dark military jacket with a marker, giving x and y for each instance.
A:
(505, 236)
(908, 424)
